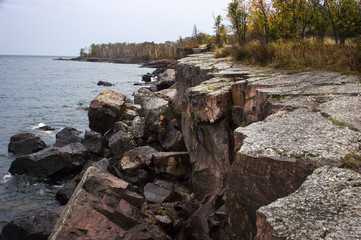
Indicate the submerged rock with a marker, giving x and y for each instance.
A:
(326, 206)
(103, 83)
(25, 143)
(37, 225)
(106, 109)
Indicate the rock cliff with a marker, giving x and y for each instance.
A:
(226, 153)
(259, 132)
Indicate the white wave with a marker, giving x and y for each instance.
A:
(6, 178)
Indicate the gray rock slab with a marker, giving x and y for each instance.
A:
(301, 134)
(326, 206)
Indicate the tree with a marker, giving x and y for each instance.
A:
(220, 31)
(345, 18)
(237, 14)
(260, 11)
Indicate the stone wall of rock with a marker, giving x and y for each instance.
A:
(260, 133)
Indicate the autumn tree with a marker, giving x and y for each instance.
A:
(345, 18)
(237, 14)
(260, 13)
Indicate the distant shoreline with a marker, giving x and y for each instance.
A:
(144, 63)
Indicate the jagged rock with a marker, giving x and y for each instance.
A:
(204, 222)
(137, 128)
(137, 158)
(153, 106)
(51, 162)
(130, 114)
(102, 207)
(106, 84)
(38, 225)
(121, 142)
(169, 137)
(166, 79)
(121, 126)
(158, 192)
(94, 142)
(106, 109)
(25, 143)
(172, 164)
(64, 194)
(68, 135)
(326, 206)
(147, 77)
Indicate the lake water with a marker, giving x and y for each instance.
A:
(37, 90)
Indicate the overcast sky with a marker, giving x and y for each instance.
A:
(62, 27)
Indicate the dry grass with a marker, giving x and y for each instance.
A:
(307, 55)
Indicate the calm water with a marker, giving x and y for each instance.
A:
(36, 91)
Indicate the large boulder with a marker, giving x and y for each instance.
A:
(68, 135)
(106, 109)
(51, 162)
(105, 207)
(166, 79)
(103, 83)
(25, 143)
(137, 158)
(153, 107)
(94, 142)
(172, 164)
(326, 206)
(121, 142)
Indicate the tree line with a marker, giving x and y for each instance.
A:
(268, 20)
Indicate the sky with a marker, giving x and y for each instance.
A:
(62, 27)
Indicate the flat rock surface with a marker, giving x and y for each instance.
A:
(326, 206)
(301, 134)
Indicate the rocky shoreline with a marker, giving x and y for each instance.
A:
(216, 150)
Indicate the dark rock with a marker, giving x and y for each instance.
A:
(68, 135)
(169, 137)
(37, 226)
(121, 126)
(64, 194)
(93, 141)
(106, 84)
(158, 192)
(166, 79)
(51, 162)
(147, 77)
(46, 128)
(204, 223)
(121, 142)
(172, 164)
(137, 158)
(130, 114)
(326, 206)
(25, 143)
(106, 109)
